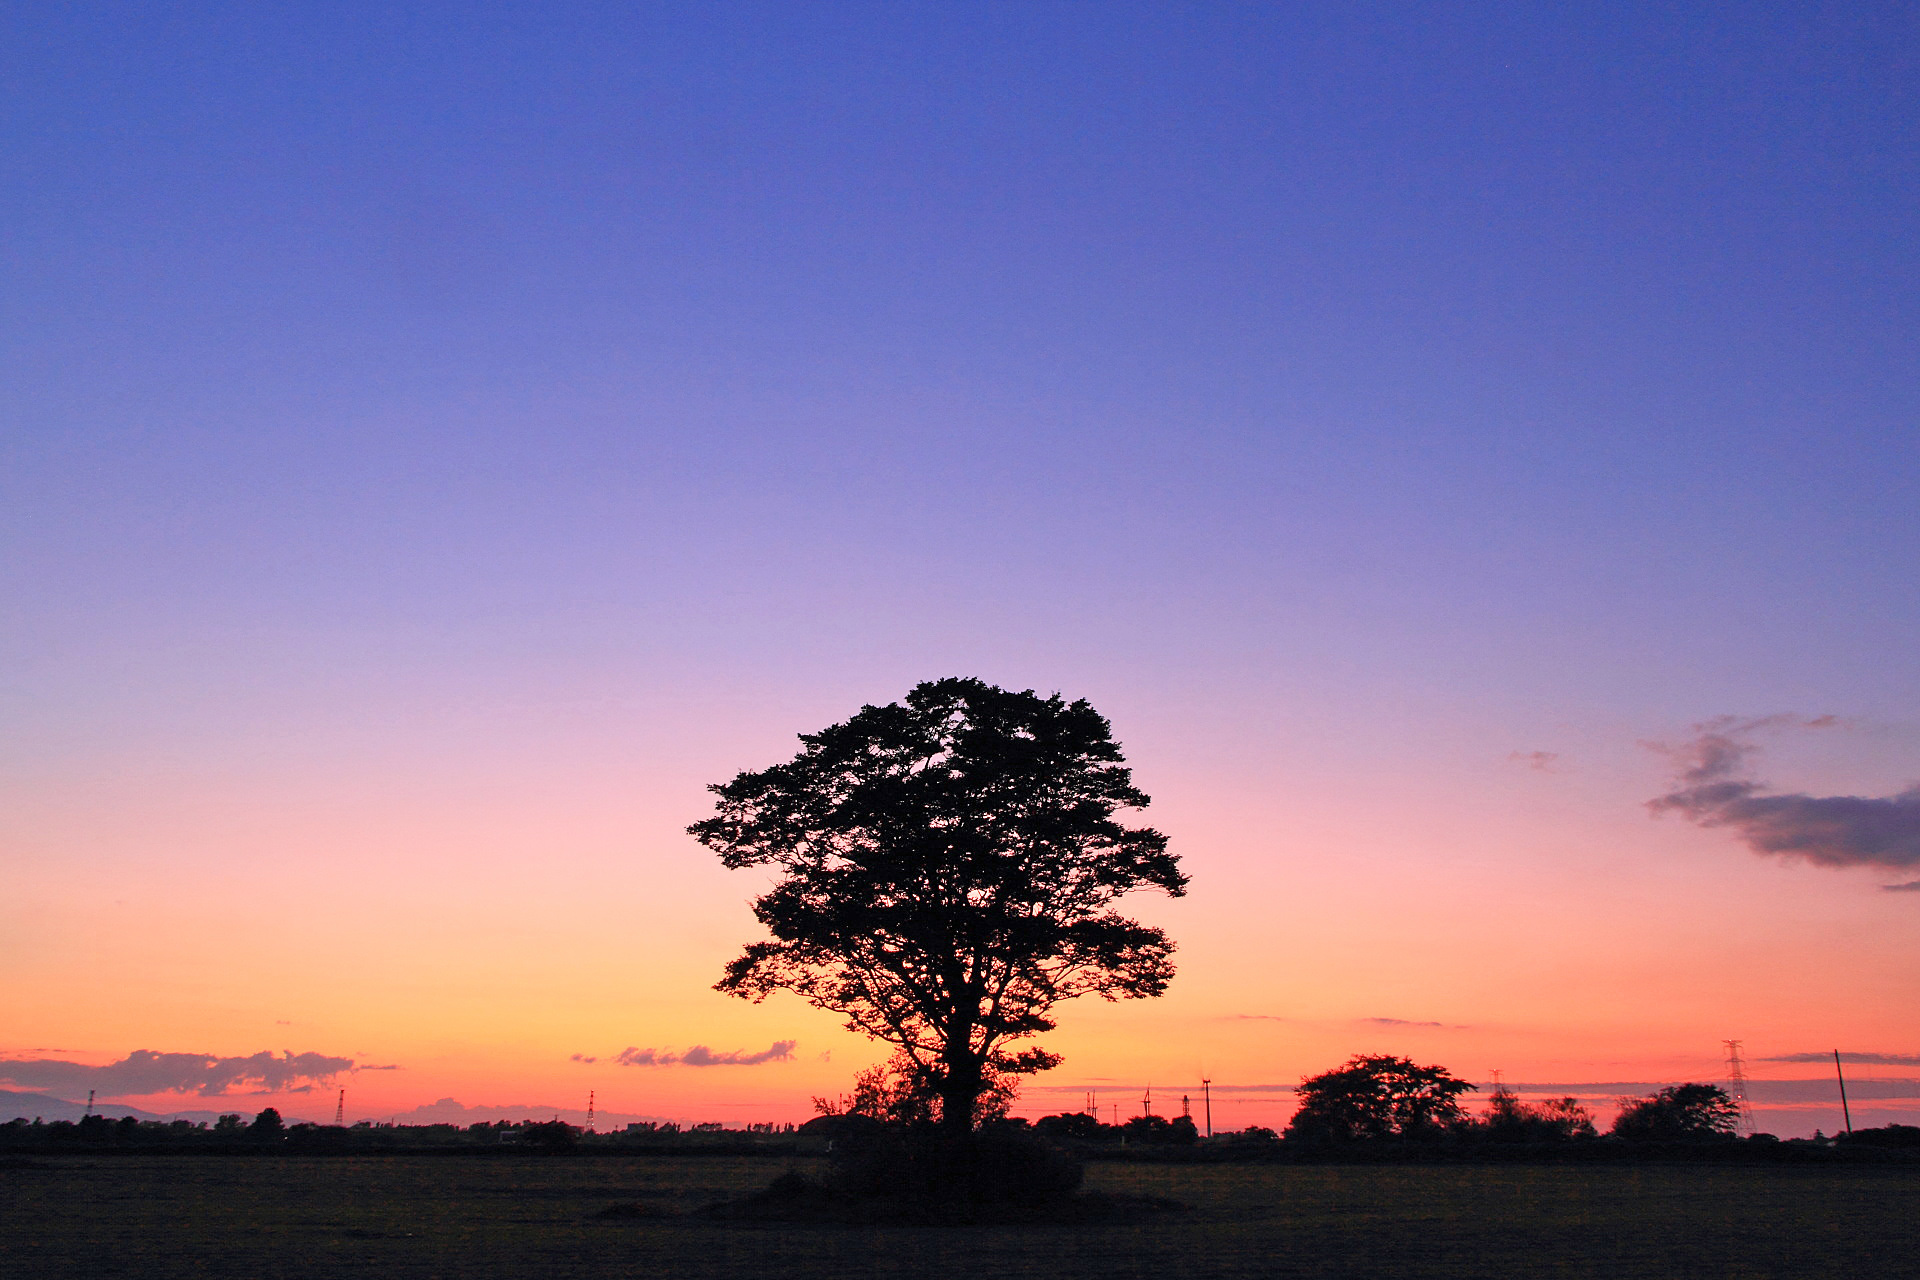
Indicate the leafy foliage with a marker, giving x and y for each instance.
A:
(1511, 1119)
(1676, 1112)
(1375, 1096)
(949, 867)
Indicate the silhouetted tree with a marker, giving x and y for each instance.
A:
(1678, 1111)
(1510, 1119)
(901, 1091)
(1375, 1096)
(1160, 1131)
(1075, 1124)
(267, 1125)
(949, 863)
(550, 1135)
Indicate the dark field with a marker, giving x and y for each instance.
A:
(526, 1216)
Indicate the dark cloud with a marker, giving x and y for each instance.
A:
(144, 1071)
(1879, 1059)
(701, 1056)
(1715, 789)
(1910, 886)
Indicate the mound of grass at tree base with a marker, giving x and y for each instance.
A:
(794, 1198)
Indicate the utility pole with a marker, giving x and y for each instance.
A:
(1206, 1092)
(1845, 1114)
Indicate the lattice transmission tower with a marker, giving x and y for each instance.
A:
(1737, 1086)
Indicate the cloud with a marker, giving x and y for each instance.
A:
(1911, 886)
(452, 1111)
(1879, 1059)
(1715, 789)
(1544, 761)
(701, 1056)
(1398, 1022)
(143, 1071)
(581, 1057)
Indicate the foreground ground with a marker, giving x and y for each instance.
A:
(532, 1217)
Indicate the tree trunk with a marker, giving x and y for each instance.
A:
(960, 1091)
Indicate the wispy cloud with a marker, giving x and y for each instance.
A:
(1543, 761)
(1715, 788)
(701, 1056)
(1872, 1059)
(1400, 1022)
(143, 1071)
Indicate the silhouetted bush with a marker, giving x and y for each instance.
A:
(1893, 1135)
(1677, 1112)
(1075, 1124)
(1511, 1120)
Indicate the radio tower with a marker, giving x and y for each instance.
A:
(589, 1111)
(340, 1110)
(1737, 1082)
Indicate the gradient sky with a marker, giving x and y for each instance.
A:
(436, 441)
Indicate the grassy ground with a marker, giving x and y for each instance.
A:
(533, 1217)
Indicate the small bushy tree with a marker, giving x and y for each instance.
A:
(1376, 1096)
(1679, 1111)
(1509, 1118)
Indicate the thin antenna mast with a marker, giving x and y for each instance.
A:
(1737, 1079)
(1206, 1092)
(89, 1104)
(589, 1111)
(1845, 1114)
(340, 1111)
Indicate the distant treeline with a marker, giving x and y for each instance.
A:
(267, 1132)
(1372, 1108)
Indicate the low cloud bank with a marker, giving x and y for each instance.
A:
(453, 1111)
(1872, 1059)
(701, 1056)
(1715, 788)
(145, 1072)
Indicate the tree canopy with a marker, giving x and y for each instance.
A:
(949, 866)
(1678, 1111)
(1375, 1096)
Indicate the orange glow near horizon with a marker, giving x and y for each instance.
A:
(480, 936)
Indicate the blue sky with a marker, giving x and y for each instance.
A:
(1345, 388)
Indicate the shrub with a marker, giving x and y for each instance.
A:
(1679, 1111)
